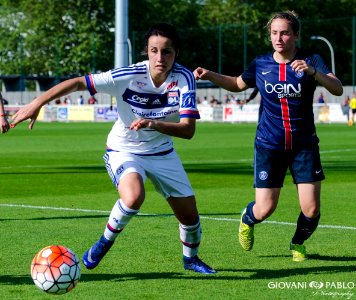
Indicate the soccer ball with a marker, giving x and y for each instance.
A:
(55, 269)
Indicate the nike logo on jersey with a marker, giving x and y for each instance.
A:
(317, 171)
(266, 72)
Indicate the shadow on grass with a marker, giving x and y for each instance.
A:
(247, 167)
(219, 168)
(282, 273)
(204, 167)
(317, 257)
(223, 274)
(59, 170)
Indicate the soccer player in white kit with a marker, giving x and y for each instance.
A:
(156, 99)
(4, 124)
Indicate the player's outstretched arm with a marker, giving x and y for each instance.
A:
(31, 110)
(230, 83)
(4, 124)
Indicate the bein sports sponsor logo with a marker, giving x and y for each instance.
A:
(284, 90)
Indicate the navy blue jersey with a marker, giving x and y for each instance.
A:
(286, 118)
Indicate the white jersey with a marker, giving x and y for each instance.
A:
(137, 97)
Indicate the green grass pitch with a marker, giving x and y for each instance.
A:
(54, 189)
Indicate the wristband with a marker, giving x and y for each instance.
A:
(2, 115)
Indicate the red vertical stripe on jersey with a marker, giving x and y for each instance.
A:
(285, 110)
(282, 72)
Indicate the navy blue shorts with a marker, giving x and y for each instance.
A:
(271, 166)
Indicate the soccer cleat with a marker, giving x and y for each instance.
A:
(94, 255)
(299, 252)
(196, 265)
(246, 236)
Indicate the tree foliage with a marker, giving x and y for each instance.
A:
(55, 37)
(63, 38)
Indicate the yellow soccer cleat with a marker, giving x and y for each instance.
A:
(246, 236)
(299, 252)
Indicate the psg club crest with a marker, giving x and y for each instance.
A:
(299, 74)
(263, 175)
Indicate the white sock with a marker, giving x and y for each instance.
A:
(119, 217)
(190, 237)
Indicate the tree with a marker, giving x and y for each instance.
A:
(53, 37)
(63, 38)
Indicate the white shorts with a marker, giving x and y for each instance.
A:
(165, 171)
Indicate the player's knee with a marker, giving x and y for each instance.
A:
(133, 201)
(264, 212)
(311, 212)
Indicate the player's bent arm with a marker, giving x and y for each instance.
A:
(184, 129)
(330, 82)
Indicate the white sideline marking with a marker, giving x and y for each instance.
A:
(157, 215)
(337, 151)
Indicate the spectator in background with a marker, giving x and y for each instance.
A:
(345, 107)
(321, 99)
(67, 101)
(214, 101)
(92, 100)
(4, 124)
(353, 109)
(80, 100)
(227, 99)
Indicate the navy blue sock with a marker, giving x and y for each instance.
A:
(305, 228)
(249, 217)
(105, 241)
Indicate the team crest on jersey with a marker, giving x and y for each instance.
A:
(299, 74)
(263, 175)
(141, 84)
(173, 98)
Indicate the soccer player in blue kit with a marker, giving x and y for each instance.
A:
(156, 100)
(286, 135)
